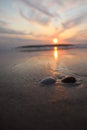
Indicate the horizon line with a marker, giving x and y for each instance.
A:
(46, 45)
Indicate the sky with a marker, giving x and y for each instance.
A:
(27, 22)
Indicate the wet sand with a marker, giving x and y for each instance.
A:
(26, 105)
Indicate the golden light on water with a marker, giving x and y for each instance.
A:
(56, 53)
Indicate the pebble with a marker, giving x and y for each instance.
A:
(48, 81)
(69, 80)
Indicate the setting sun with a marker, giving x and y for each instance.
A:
(55, 40)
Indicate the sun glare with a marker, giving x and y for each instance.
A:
(56, 53)
(55, 40)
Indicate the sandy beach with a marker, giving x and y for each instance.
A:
(27, 105)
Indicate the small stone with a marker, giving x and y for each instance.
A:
(69, 80)
(48, 81)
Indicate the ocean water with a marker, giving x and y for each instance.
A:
(26, 104)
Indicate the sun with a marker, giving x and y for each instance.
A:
(55, 40)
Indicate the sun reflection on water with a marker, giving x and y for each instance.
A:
(56, 53)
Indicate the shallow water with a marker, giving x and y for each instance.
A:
(25, 104)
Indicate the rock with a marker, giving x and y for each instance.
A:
(69, 80)
(48, 81)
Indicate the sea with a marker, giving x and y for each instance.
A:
(25, 104)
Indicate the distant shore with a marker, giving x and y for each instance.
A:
(44, 47)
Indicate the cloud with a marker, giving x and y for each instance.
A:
(38, 12)
(79, 37)
(58, 2)
(3, 23)
(39, 7)
(75, 21)
(75, 40)
(83, 33)
(11, 42)
(60, 14)
(4, 30)
(36, 18)
(66, 4)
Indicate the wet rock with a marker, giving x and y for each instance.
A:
(69, 80)
(48, 81)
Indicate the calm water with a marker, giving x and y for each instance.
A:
(25, 104)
